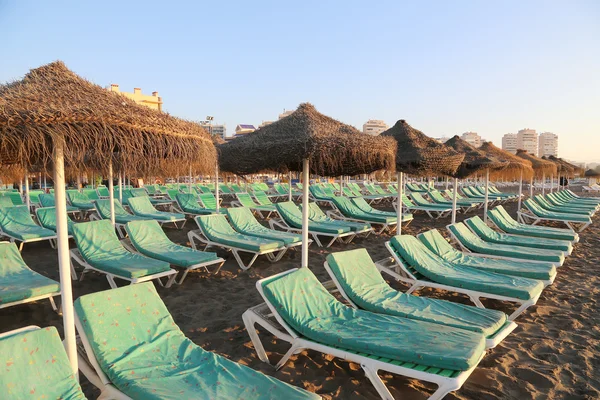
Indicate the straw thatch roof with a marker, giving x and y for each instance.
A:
(51, 103)
(564, 167)
(514, 165)
(420, 155)
(592, 173)
(540, 166)
(333, 148)
(475, 160)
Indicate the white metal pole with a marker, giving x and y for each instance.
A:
(341, 185)
(447, 182)
(531, 187)
(27, 200)
(217, 185)
(454, 200)
(121, 187)
(305, 182)
(21, 186)
(64, 264)
(487, 192)
(520, 191)
(190, 180)
(45, 182)
(111, 193)
(400, 181)
(543, 184)
(290, 186)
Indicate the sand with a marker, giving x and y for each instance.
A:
(553, 354)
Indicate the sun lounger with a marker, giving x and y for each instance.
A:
(35, 366)
(15, 198)
(537, 214)
(569, 194)
(262, 198)
(244, 200)
(423, 268)
(16, 224)
(149, 239)
(357, 278)
(99, 249)
(546, 205)
(553, 199)
(366, 207)
(429, 210)
(209, 202)
(142, 207)
(188, 203)
(141, 192)
(317, 215)
(90, 194)
(215, 231)
(309, 317)
(469, 241)
(80, 201)
(19, 284)
(244, 222)
(348, 211)
(5, 201)
(413, 187)
(47, 200)
(47, 218)
(122, 217)
(318, 195)
(434, 241)
(103, 192)
(140, 353)
(465, 205)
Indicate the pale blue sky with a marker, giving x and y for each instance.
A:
(445, 66)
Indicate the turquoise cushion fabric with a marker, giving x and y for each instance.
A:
(142, 207)
(18, 282)
(47, 200)
(317, 215)
(348, 209)
(420, 201)
(542, 213)
(146, 356)
(244, 222)
(435, 268)
(477, 245)
(309, 309)
(246, 201)
(79, 200)
(364, 285)
(35, 366)
(47, 218)
(218, 230)
(100, 247)
(150, 240)
(189, 204)
(15, 197)
(121, 215)
(542, 202)
(505, 222)
(293, 217)
(17, 222)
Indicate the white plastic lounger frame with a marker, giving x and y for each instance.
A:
(76, 255)
(344, 238)
(385, 227)
(427, 210)
(267, 317)
(51, 239)
(49, 296)
(402, 274)
(493, 224)
(527, 217)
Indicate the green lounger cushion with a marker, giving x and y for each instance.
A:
(542, 213)
(477, 245)
(100, 247)
(79, 200)
(366, 207)
(246, 201)
(420, 201)
(560, 209)
(489, 235)
(150, 240)
(316, 214)
(505, 222)
(309, 309)
(19, 282)
(146, 356)
(244, 222)
(262, 198)
(5, 201)
(189, 204)
(523, 268)
(439, 199)
(141, 206)
(91, 194)
(364, 285)
(350, 210)
(15, 197)
(103, 191)
(435, 268)
(218, 230)
(47, 200)
(47, 218)
(293, 217)
(121, 215)
(17, 222)
(35, 366)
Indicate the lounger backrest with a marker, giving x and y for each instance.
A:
(278, 188)
(481, 229)
(263, 186)
(464, 235)
(5, 201)
(437, 196)
(75, 196)
(317, 192)
(406, 201)
(103, 191)
(209, 200)
(215, 225)
(91, 194)
(204, 189)
(328, 191)
(35, 366)
(245, 200)
(47, 200)
(138, 192)
(346, 206)
(348, 192)
(141, 205)
(362, 204)
(290, 213)
(47, 218)
(262, 197)
(435, 242)
(187, 201)
(34, 195)
(146, 234)
(15, 218)
(419, 199)
(12, 261)
(96, 239)
(224, 188)
(103, 208)
(315, 213)
(242, 218)
(15, 197)
(534, 208)
(172, 193)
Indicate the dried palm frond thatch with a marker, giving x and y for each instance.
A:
(541, 167)
(475, 160)
(514, 165)
(333, 148)
(591, 173)
(564, 167)
(420, 155)
(52, 104)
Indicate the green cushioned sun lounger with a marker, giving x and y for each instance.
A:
(505, 222)
(5, 201)
(34, 196)
(210, 202)
(482, 230)
(244, 222)
(348, 210)
(246, 201)
(526, 269)
(262, 198)
(435, 268)
(439, 199)
(121, 215)
(142, 207)
(360, 282)
(15, 197)
(316, 214)
(35, 366)
(141, 192)
(47, 218)
(47, 200)
(143, 354)
(103, 191)
(537, 214)
(91, 194)
(79, 200)
(20, 284)
(366, 207)
(471, 242)
(17, 224)
(99, 249)
(149, 239)
(189, 204)
(553, 199)
(543, 203)
(420, 201)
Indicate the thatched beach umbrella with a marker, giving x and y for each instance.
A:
(53, 117)
(307, 141)
(541, 168)
(592, 175)
(419, 155)
(563, 169)
(475, 160)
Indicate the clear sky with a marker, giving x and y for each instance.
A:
(445, 66)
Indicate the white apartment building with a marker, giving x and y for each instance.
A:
(509, 142)
(285, 113)
(548, 144)
(374, 127)
(472, 138)
(527, 139)
(215, 129)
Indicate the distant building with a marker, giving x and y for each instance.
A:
(265, 123)
(243, 129)
(215, 129)
(509, 143)
(285, 113)
(548, 144)
(527, 140)
(153, 101)
(442, 139)
(374, 127)
(472, 138)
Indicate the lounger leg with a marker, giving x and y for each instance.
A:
(170, 281)
(249, 323)
(441, 392)
(52, 303)
(317, 241)
(111, 281)
(275, 258)
(331, 241)
(21, 246)
(295, 349)
(240, 262)
(413, 288)
(377, 382)
(476, 301)
(520, 310)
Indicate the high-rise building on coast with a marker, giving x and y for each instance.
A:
(153, 101)
(527, 140)
(548, 144)
(215, 129)
(472, 138)
(509, 142)
(374, 127)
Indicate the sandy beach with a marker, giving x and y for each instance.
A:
(553, 354)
